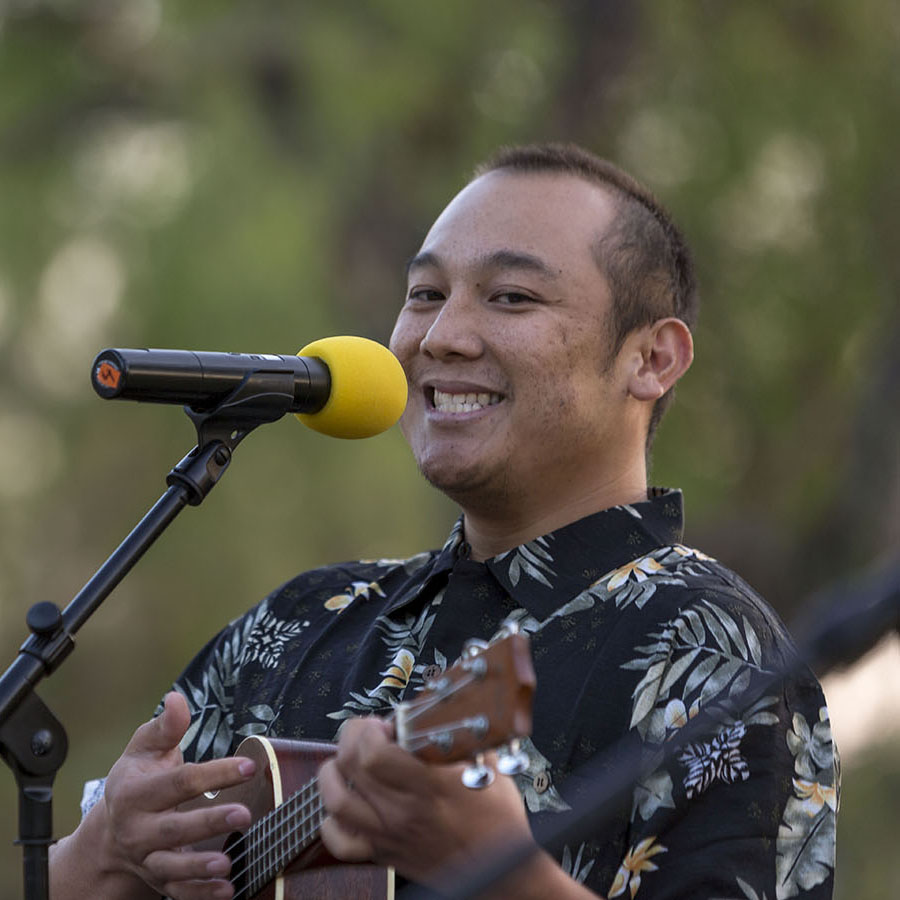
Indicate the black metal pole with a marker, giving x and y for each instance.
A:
(32, 741)
(34, 661)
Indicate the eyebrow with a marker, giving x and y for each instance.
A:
(497, 259)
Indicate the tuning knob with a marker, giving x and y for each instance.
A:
(508, 627)
(478, 775)
(473, 647)
(514, 761)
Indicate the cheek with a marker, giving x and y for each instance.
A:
(404, 342)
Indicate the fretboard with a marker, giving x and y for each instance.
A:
(275, 840)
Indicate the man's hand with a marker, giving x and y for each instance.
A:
(135, 841)
(385, 805)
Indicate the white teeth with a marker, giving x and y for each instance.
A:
(460, 403)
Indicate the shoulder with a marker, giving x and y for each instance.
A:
(336, 585)
(309, 595)
(677, 581)
(696, 635)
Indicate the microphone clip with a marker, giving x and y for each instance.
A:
(260, 398)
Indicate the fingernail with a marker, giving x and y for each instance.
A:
(218, 866)
(246, 767)
(238, 818)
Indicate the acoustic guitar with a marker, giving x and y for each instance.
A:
(481, 702)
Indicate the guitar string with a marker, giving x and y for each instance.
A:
(255, 838)
(284, 810)
(277, 857)
(274, 864)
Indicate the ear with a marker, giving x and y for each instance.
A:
(663, 353)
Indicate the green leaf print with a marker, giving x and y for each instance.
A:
(704, 652)
(533, 559)
(652, 793)
(805, 842)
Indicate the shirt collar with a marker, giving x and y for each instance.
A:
(427, 580)
(541, 573)
(545, 571)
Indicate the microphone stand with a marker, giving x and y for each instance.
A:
(33, 743)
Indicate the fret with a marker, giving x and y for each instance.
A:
(271, 857)
(258, 877)
(254, 876)
(261, 854)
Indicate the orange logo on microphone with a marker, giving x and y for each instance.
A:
(108, 375)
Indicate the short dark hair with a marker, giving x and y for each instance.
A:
(643, 254)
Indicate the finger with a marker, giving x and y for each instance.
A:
(141, 834)
(343, 844)
(168, 867)
(348, 806)
(380, 769)
(360, 742)
(366, 729)
(165, 731)
(393, 769)
(156, 791)
(183, 829)
(381, 772)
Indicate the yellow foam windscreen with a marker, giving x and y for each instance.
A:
(368, 387)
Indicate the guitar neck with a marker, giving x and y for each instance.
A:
(276, 839)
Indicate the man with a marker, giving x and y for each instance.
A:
(546, 322)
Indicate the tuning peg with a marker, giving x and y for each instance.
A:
(478, 775)
(472, 647)
(514, 761)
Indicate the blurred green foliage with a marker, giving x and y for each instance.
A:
(239, 176)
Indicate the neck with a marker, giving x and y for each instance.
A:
(490, 532)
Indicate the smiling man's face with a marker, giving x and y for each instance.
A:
(505, 341)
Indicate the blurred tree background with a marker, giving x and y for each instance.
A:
(237, 176)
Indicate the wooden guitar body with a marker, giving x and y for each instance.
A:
(282, 769)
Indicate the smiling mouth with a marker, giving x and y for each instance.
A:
(463, 403)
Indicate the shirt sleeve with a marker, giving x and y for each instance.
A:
(208, 686)
(91, 794)
(209, 683)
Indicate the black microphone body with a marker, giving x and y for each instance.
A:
(201, 380)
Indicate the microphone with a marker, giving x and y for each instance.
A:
(347, 387)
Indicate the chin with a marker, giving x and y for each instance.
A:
(467, 487)
(450, 482)
(447, 475)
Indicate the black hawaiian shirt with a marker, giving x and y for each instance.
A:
(633, 634)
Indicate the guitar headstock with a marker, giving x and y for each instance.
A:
(482, 701)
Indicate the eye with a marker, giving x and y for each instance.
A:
(424, 294)
(512, 298)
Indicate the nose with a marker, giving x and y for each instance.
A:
(455, 329)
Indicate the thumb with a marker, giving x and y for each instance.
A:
(164, 732)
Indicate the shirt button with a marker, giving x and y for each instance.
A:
(541, 781)
(431, 672)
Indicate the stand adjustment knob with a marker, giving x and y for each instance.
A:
(44, 619)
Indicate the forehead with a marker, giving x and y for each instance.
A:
(555, 218)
